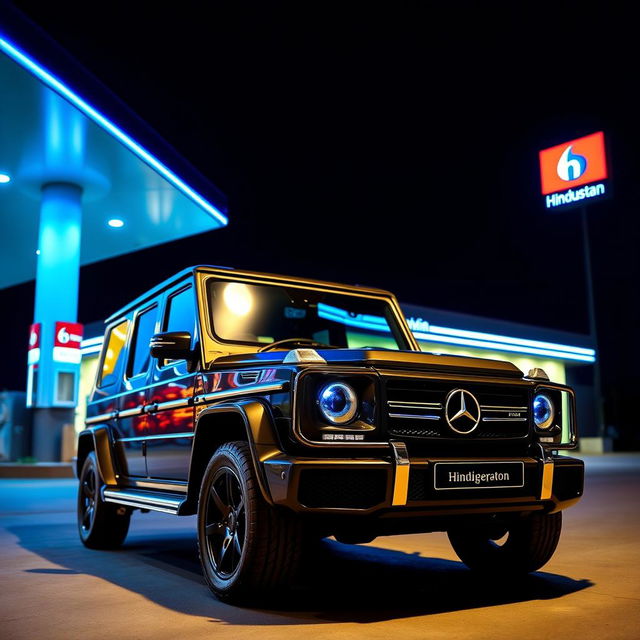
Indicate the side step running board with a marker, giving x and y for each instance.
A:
(145, 499)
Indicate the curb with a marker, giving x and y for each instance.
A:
(37, 470)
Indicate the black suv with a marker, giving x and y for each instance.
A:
(283, 410)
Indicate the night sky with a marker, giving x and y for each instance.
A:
(389, 144)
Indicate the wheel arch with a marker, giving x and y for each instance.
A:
(97, 439)
(249, 421)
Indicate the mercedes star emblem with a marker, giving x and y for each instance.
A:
(462, 411)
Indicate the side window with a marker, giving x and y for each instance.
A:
(115, 342)
(143, 331)
(180, 315)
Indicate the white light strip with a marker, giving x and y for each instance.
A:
(49, 79)
(90, 351)
(430, 337)
(89, 342)
(91, 346)
(490, 337)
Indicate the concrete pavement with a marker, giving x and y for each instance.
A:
(404, 586)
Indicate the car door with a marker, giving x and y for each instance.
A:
(171, 424)
(133, 418)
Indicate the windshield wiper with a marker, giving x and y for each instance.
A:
(307, 342)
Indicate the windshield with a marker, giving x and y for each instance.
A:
(259, 314)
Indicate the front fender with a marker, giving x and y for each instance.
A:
(212, 430)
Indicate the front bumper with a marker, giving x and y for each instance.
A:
(398, 486)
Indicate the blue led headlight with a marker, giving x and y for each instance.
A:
(543, 411)
(338, 403)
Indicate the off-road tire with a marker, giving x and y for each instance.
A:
(101, 525)
(265, 542)
(529, 545)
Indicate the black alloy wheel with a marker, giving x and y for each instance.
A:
(248, 548)
(87, 501)
(225, 525)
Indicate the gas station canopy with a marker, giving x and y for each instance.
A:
(76, 188)
(130, 198)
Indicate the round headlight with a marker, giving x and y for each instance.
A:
(543, 411)
(338, 403)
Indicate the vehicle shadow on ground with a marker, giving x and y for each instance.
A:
(341, 583)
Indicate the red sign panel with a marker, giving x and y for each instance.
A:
(34, 336)
(573, 163)
(68, 335)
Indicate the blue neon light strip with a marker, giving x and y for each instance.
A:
(50, 80)
(462, 333)
(501, 346)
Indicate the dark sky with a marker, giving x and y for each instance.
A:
(391, 144)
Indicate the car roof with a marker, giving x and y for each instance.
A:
(191, 271)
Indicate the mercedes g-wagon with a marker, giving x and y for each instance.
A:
(282, 410)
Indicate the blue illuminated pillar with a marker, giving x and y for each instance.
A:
(60, 170)
(59, 253)
(56, 300)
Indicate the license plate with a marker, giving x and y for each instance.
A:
(478, 475)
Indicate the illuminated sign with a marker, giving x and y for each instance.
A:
(34, 343)
(67, 340)
(574, 172)
(417, 324)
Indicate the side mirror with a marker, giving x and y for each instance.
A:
(172, 345)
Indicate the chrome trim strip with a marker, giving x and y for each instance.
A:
(502, 408)
(504, 419)
(148, 386)
(173, 404)
(186, 434)
(396, 404)
(130, 413)
(186, 402)
(234, 393)
(136, 499)
(165, 501)
(176, 486)
(103, 417)
(413, 417)
(141, 505)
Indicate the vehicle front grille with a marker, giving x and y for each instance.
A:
(416, 409)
